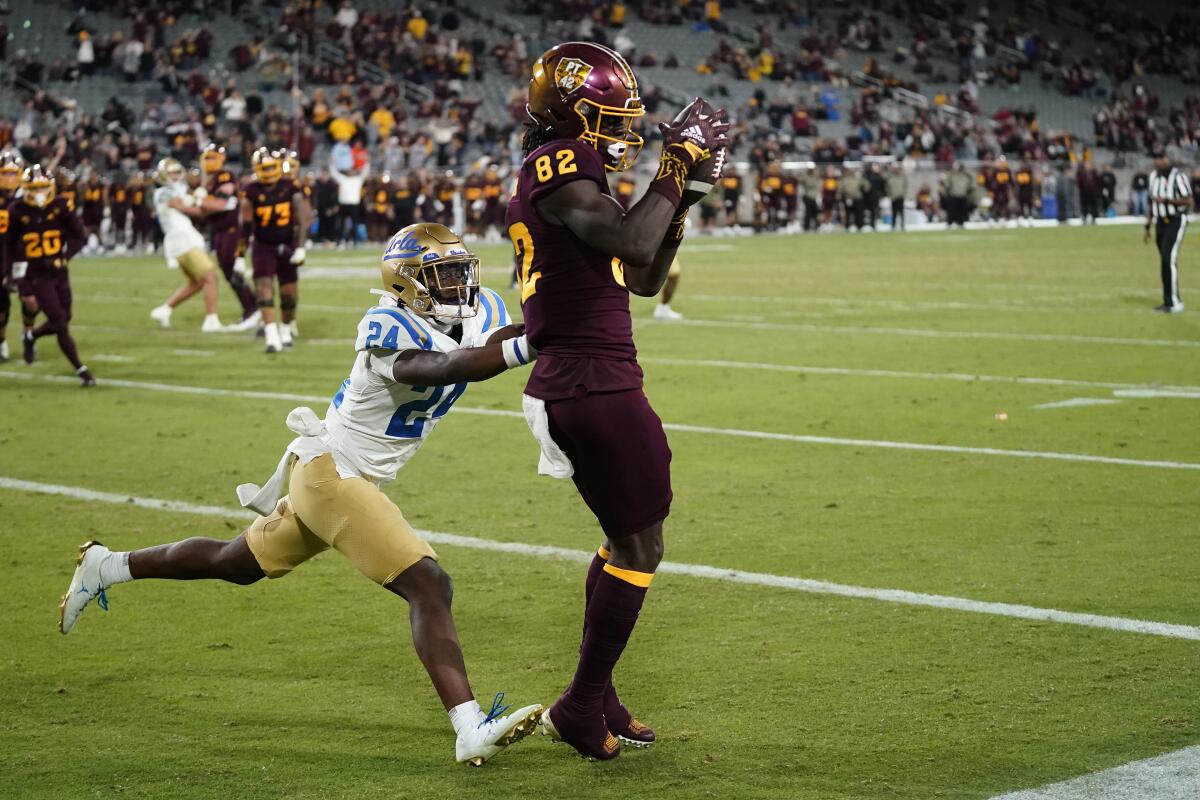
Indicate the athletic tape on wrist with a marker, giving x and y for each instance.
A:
(517, 352)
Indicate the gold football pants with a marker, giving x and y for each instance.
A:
(196, 264)
(351, 515)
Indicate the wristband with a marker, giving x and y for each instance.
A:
(517, 351)
(677, 160)
(675, 230)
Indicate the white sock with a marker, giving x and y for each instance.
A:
(213, 317)
(285, 333)
(465, 716)
(271, 334)
(4, 348)
(115, 569)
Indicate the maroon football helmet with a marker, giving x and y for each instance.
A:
(581, 90)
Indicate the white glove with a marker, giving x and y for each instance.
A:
(231, 204)
(298, 256)
(172, 263)
(18, 269)
(239, 266)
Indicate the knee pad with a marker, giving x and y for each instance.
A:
(266, 302)
(287, 303)
(28, 315)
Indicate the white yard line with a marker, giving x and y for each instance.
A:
(898, 596)
(919, 305)
(927, 333)
(1173, 776)
(670, 426)
(960, 377)
(1076, 402)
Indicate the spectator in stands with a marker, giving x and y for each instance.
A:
(85, 55)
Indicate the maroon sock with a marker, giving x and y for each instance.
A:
(595, 568)
(617, 716)
(67, 345)
(610, 618)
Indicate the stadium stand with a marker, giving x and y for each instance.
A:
(115, 86)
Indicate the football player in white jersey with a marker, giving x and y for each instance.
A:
(434, 331)
(183, 244)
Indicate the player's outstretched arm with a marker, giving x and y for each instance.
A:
(505, 349)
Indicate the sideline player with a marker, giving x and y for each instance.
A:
(10, 179)
(579, 256)
(183, 245)
(434, 330)
(43, 236)
(274, 217)
(220, 186)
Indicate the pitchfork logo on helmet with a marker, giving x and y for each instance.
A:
(427, 267)
(582, 90)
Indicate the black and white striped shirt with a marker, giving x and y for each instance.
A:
(1172, 186)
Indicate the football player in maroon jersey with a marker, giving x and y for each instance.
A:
(43, 236)
(579, 256)
(220, 186)
(274, 215)
(10, 178)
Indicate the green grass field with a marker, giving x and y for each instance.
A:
(308, 687)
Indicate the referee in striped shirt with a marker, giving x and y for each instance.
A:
(1170, 202)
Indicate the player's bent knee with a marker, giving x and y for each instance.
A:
(238, 564)
(424, 582)
(642, 551)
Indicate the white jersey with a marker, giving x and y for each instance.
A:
(179, 234)
(375, 424)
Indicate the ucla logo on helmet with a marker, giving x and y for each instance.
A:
(571, 73)
(407, 247)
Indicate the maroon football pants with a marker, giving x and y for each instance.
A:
(53, 293)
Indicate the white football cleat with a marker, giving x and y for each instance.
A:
(249, 323)
(478, 744)
(294, 327)
(663, 311)
(162, 315)
(85, 585)
(212, 324)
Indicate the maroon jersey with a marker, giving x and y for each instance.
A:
(7, 201)
(223, 186)
(573, 296)
(68, 195)
(93, 200)
(46, 238)
(271, 204)
(118, 200)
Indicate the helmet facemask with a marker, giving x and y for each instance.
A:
(452, 283)
(212, 160)
(610, 130)
(39, 193)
